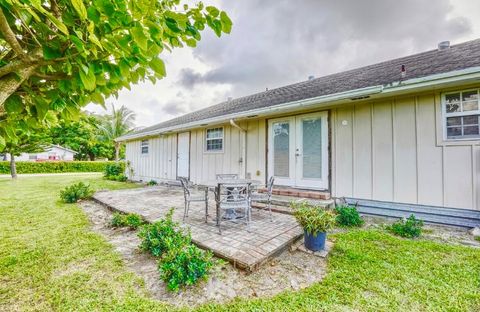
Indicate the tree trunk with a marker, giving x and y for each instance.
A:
(117, 151)
(13, 167)
(10, 83)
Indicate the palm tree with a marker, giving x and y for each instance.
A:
(116, 124)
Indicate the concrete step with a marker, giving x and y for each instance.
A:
(292, 192)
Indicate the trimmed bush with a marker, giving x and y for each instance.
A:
(161, 236)
(348, 216)
(152, 183)
(55, 166)
(115, 171)
(181, 263)
(75, 192)
(410, 227)
(184, 266)
(132, 220)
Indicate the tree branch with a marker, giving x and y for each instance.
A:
(11, 67)
(10, 37)
(51, 76)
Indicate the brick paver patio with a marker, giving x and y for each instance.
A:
(245, 249)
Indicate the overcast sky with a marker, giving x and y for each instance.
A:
(278, 42)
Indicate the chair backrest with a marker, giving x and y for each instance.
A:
(184, 182)
(227, 176)
(234, 193)
(270, 185)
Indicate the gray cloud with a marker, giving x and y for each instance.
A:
(277, 42)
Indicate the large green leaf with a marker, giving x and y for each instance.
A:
(88, 79)
(2, 142)
(139, 37)
(158, 66)
(226, 22)
(80, 8)
(14, 104)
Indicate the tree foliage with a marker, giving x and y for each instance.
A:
(83, 136)
(56, 56)
(118, 123)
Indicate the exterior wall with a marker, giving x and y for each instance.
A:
(159, 164)
(393, 150)
(205, 165)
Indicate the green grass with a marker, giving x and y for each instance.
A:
(51, 260)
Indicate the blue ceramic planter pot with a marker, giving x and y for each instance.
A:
(315, 243)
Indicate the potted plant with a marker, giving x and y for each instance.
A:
(315, 221)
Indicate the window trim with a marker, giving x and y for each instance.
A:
(144, 143)
(205, 150)
(445, 115)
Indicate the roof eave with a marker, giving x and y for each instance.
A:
(464, 75)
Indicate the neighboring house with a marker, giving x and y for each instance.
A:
(405, 130)
(51, 153)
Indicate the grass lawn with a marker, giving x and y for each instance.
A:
(50, 260)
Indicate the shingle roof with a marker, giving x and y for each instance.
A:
(457, 57)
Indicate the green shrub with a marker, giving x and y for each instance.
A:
(75, 192)
(115, 171)
(162, 236)
(184, 266)
(410, 227)
(152, 183)
(54, 166)
(348, 216)
(312, 218)
(477, 238)
(131, 220)
(181, 263)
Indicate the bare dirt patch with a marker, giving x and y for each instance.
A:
(289, 271)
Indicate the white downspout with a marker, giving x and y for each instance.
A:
(244, 146)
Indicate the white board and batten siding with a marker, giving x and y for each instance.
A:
(159, 163)
(390, 150)
(393, 150)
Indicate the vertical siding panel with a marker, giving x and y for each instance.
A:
(430, 178)
(382, 151)
(227, 146)
(193, 156)
(344, 156)
(476, 172)
(458, 171)
(200, 148)
(406, 155)
(363, 146)
(262, 150)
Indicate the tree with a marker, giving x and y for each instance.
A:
(32, 141)
(83, 136)
(59, 55)
(118, 123)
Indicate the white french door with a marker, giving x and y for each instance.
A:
(298, 150)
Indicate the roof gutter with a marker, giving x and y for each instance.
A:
(468, 74)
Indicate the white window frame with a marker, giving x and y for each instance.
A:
(208, 139)
(144, 143)
(445, 115)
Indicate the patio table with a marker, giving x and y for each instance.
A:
(209, 184)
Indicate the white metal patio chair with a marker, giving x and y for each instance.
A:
(233, 204)
(187, 193)
(256, 196)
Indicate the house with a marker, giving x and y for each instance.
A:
(400, 131)
(51, 153)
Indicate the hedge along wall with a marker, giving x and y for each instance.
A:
(55, 166)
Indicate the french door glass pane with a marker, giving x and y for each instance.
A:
(312, 148)
(281, 149)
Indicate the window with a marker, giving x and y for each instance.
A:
(32, 156)
(462, 115)
(214, 140)
(144, 146)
